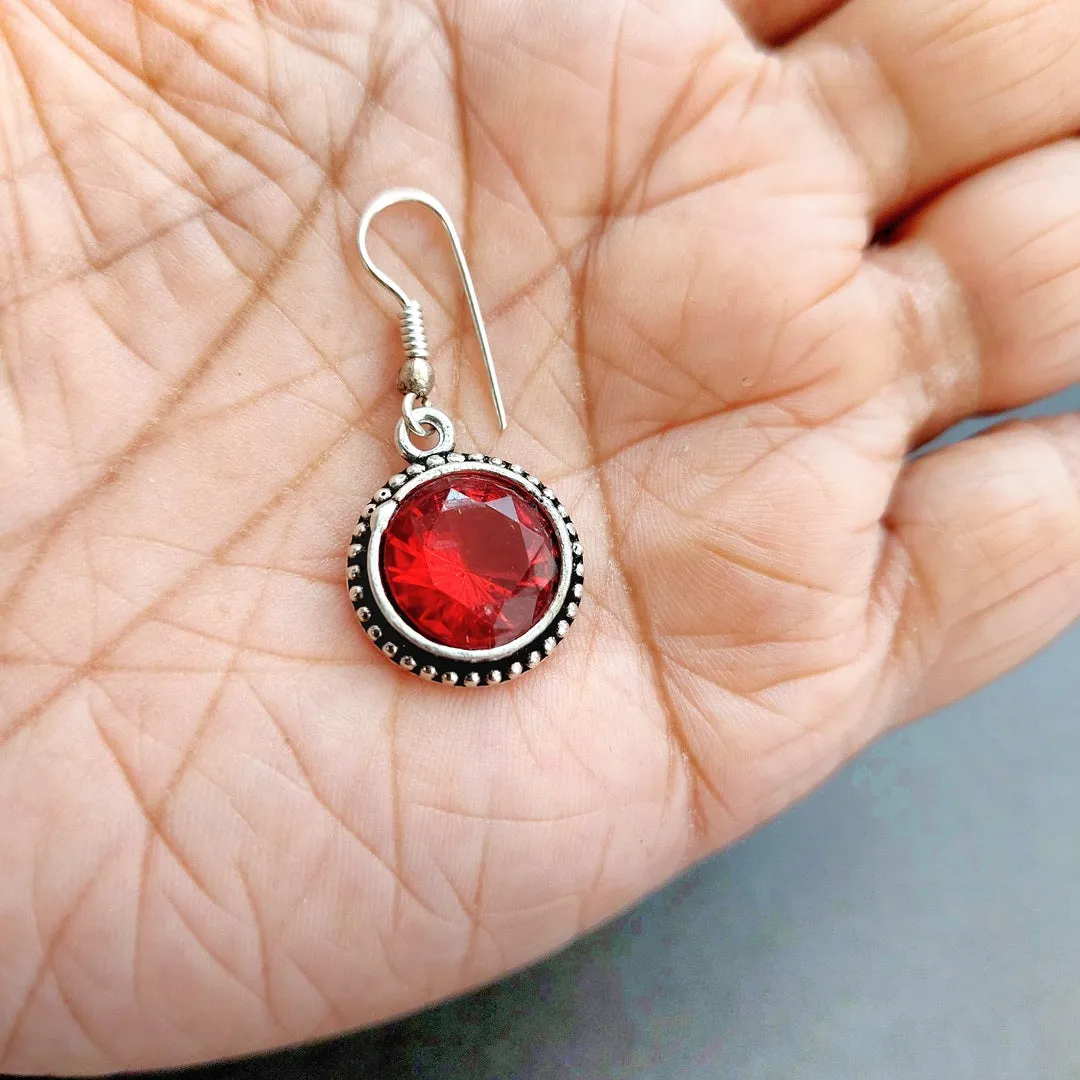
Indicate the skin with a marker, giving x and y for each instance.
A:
(227, 823)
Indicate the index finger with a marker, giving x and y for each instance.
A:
(927, 92)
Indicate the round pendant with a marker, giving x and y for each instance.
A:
(465, 570)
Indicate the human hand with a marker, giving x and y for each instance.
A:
(228, 824)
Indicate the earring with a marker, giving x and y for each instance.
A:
(463, 569)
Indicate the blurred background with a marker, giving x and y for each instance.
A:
(918, 917)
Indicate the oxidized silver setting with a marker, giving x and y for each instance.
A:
(403, 644)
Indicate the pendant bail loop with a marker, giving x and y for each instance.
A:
(429, 422)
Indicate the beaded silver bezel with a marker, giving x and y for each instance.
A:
(410, 650)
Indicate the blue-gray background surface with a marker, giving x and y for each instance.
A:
(919, 917)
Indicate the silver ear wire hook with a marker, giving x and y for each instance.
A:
(415, 380)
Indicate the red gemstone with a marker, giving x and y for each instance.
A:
(470, 560)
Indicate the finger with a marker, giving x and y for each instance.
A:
(984, 290)
(927, 92)
(983, 563)
(775, 21)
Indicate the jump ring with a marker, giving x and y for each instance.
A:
(409, 413)
(430, 422)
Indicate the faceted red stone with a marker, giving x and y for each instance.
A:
(470, 560)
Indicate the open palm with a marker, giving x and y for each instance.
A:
(225, 822)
